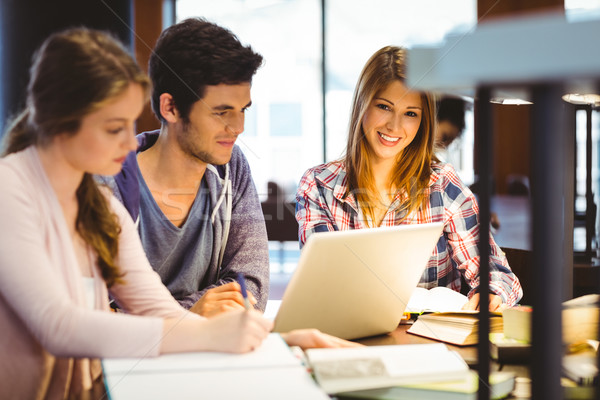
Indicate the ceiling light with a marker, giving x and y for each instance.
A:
(582, 99)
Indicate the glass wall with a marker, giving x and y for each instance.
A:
(284, 134)
(356, 31)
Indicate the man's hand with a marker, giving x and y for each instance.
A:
(495, 303)
(314, 338)
(221, 299)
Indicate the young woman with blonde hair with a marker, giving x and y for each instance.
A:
(390, 176)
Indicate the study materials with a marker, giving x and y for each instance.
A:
(509, 351)
(501, 385)
(242, 283)
(437, 299)
(356, 283)
(579, 320)
(358, 368)
(271, 371)
(517, 323)
(459, 328)
(581, 368)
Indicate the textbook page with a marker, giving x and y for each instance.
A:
(273, 352)
(437, 299)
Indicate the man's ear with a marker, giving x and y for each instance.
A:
(168, 110)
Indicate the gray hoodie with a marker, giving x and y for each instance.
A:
(223, 234)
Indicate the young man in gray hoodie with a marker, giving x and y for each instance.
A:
(189, 185)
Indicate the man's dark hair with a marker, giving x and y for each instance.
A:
(195, 53)
(452, 109)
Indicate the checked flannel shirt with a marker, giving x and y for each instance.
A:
(322, 205)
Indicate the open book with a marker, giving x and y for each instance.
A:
(437, 299)
(357, 368)
(459, 328)
(501, 385)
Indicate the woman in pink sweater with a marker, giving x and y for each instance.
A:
(65, 244)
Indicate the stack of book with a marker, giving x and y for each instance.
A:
(580, 336)
(460, 328)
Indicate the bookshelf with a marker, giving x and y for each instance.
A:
(542, 57)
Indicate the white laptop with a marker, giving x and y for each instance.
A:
(356, 283)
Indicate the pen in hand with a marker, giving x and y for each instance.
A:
(242, 282)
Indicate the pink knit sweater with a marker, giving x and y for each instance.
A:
(50, 341)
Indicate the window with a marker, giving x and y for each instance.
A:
(284, 134)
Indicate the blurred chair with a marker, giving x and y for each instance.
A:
(520, 261)
(280, 217)
(517, 185)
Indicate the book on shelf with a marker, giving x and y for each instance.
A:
(458, 328)
(579, 320)
(437, 299)
(509, 351)
(581, 368)
(501, 385)
(358, 368)
(517, 323)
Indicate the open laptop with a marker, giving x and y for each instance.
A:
(356, 283)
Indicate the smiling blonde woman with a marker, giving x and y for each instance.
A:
(390, 176)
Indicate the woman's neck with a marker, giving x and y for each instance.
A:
(382, 177)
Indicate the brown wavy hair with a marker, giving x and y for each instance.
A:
(75, 73)
(413, 166)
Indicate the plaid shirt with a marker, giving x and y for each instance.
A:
(322, 205)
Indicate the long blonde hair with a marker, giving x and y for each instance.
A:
(74, 73)
(413, 167)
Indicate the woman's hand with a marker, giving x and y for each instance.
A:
(312, 338)
(237, 331)
(495, 303)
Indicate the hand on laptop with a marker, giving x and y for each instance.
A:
(495, 303)
(314, 338)
(221, 299)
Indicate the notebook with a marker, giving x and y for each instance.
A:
(356, 283)
(272, 371)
